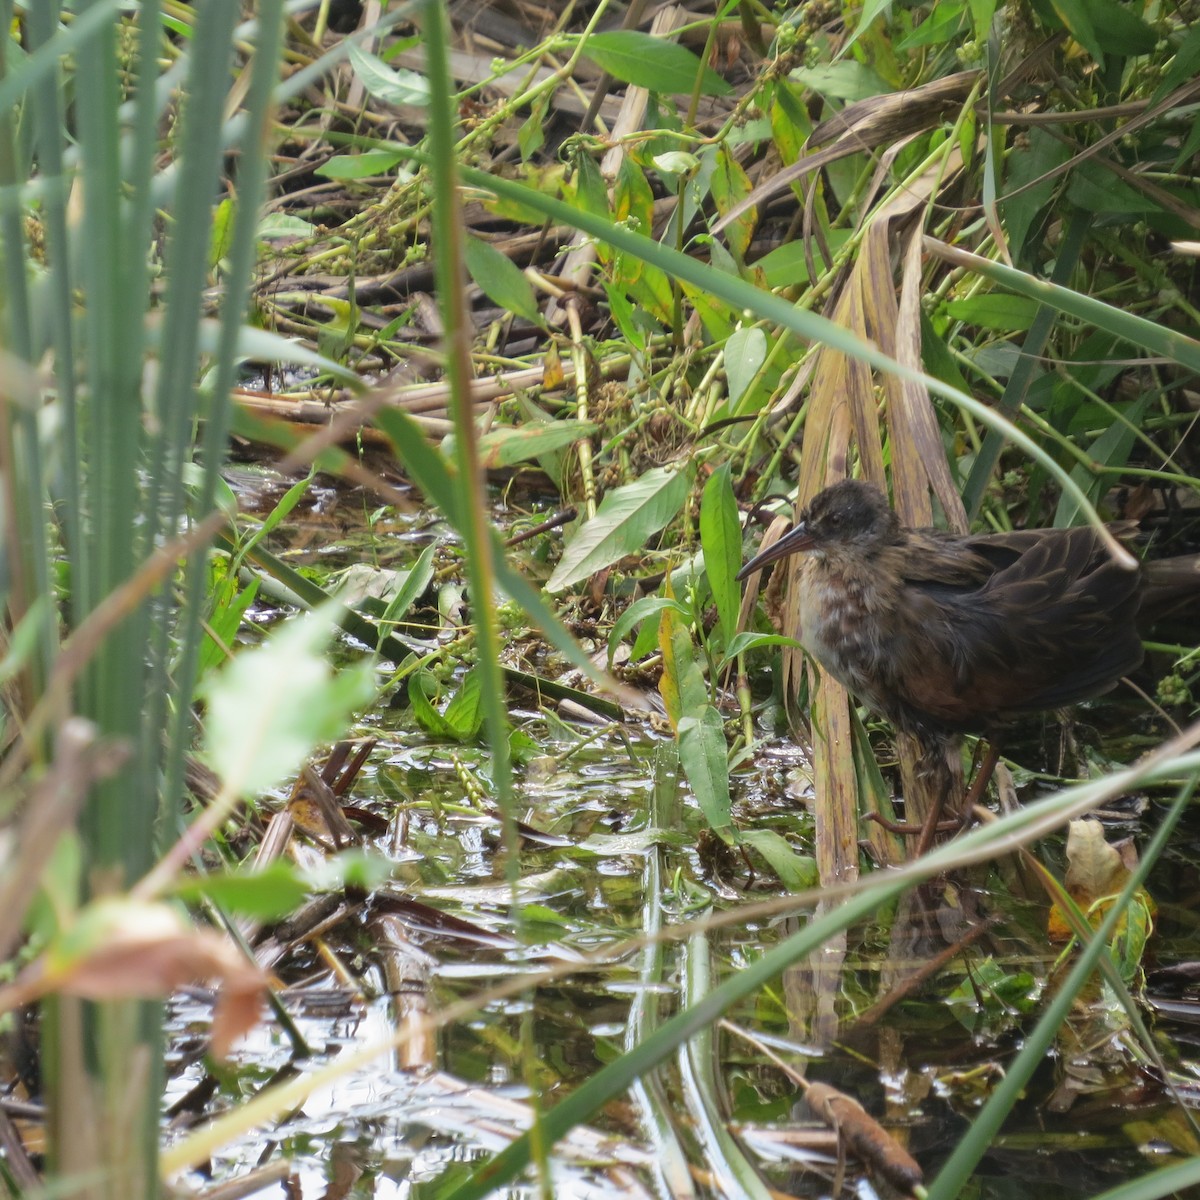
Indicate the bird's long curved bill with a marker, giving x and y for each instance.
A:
(793, 542)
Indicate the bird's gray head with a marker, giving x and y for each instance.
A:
(849, 513)
(846, 514)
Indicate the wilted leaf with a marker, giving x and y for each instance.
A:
(122, 949)
(1096, 873)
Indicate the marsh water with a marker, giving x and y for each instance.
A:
(611, 846)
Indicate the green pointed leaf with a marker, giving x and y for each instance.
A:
(652, 63)
(273, 703)
(797, 872)
(502, 281)
(416, 580)
(386, 83)
(705, 759)
(682, 683)
(745, 352)
(627, 518)
(639, 610)
(266, 894)
(428, 717)
(721, 538)
(464, 713)
(507, 447)
(359, 166)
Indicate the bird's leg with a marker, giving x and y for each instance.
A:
(934, 765)
(974, 795)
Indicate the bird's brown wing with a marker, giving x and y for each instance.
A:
(1030, 621)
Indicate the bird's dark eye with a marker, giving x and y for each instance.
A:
(835, 518)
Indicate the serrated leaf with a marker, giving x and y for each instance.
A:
(501, 279)
(628, 517)
(386, 83)
(652, 63)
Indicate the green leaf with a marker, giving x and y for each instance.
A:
(847, 81)
(425, 715)
(507, 447)
(359, 166)
(721, 539)
(464, 713)
(652, 63)
(273, 703)
(944, 23)
(220, 237)
(25, 640)
(1094, 189)
(626, 520)
(532, 133)
(229, 607)
(1184, 66)
(755, 641)
(416, 580)
(284, 225)
(871, 11)
(745, 353)
(265, 894)
(705, 760)
(638, 611)
(1110, 449)
(264, 346)
(994, 310)
(681, 684)
(501, 279)
(386, 83)
(1118, 29)
(1029, 183)
(797, 872)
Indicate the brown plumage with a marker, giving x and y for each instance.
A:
(943, 633)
